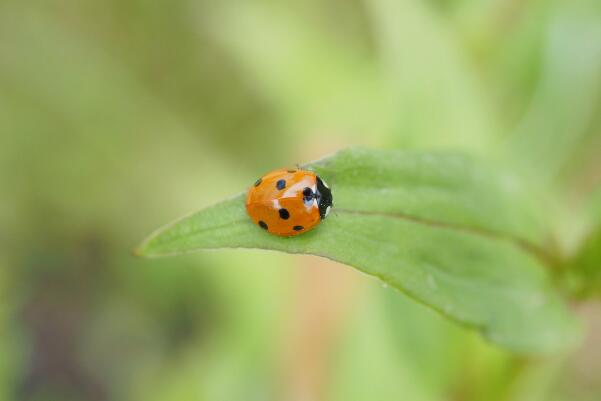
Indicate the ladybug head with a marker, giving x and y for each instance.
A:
(324, 198)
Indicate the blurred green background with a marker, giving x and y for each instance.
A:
(118, 116)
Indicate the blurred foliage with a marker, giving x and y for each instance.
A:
(584, 268)
(117, 116)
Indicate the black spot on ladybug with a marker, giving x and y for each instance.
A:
(284, 214)
(281, 184)
(308, 196)
(258, 182)
(263, 224)
(298, 228)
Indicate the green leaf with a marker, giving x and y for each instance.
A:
(564, 107)
(584, 268)
(447, 230)
(585, 272)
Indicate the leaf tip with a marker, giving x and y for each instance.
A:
(138, 251)
(142, 250)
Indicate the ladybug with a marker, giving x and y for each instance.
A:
(288, 202)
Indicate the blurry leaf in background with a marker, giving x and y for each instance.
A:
(585, 266)
(442, 228)
(397, 342)
(559, 117)
(372, 92)
(555, 141)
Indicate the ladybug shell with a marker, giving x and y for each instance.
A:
(288, 202)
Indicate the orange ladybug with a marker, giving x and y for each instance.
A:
(289, 202)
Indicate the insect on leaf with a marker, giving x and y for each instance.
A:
(445, 229)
